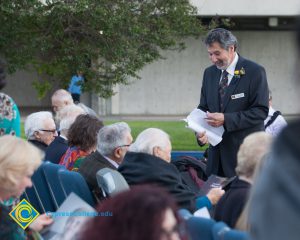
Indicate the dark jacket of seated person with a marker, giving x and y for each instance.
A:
(89, 168)
(230, 206)
(56, 149)
(142, 168)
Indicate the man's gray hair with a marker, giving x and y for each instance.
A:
(148, 139)
(253, 149)
(34, 122)
(63, 96)
(112, 136)
(224, 37)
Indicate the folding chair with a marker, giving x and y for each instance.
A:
(73, 182)
(111, 182)
(222, 232)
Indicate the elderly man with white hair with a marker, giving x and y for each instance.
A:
(59, 146)
(40, 129)
(113, 142)
(148, 162)
(62, 98)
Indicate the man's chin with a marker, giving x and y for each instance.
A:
(221, 67)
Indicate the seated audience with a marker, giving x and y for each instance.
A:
(142, 213)
(113, 143)
(59, 146)
(148, 162)
(40, 129)
(18, 161)
(82, 140)
(274, 122)
(254, 147)
(9, 112)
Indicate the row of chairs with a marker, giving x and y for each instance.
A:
(208, 229)
(51, 184)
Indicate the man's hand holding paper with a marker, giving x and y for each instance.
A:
(197, 120)
(215, 119)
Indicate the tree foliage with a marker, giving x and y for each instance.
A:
(109, 40)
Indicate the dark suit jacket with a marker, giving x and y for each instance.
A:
(42, 146)
(232, 203)
(89, 168)
(56, 150)
(243, 115)
(142, 168)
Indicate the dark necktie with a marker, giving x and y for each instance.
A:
(222, 88)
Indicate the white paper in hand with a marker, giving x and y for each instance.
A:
(197, 122)
(202, 212)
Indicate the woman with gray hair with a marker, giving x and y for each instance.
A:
(18, 160)
(250, 154)
(40, 129)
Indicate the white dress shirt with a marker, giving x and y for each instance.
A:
(279, 123)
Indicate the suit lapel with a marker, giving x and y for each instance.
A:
(233, 84)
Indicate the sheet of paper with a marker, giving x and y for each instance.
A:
(68, 219)
(215, 181)
(202, 212)
(197, 122)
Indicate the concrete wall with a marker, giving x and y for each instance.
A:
(247, 8)
(172, 86)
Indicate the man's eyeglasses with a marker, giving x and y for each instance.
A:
(45, 130)
(126, 145)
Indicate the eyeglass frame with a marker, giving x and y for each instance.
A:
(45, 130)
(125, 145)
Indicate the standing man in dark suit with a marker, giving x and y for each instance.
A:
(235, 95)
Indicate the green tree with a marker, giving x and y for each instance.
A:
(109, 40)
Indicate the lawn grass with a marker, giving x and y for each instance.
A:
(182, 139)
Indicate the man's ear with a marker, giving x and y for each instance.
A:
(36, 135)
(156, 151)
(118, 152)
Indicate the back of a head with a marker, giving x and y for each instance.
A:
(63, 95)
(112, 136)
(128, 223)
(222, 36)
(83, 132)
(60, 99)
(35, 122)
(68, 115)
(17, 158)
(254, 147)
(150, 138)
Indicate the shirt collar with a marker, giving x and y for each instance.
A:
(271, 111)
(111, 161)
(231, 67)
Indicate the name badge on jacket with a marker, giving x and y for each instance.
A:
(236, 96)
